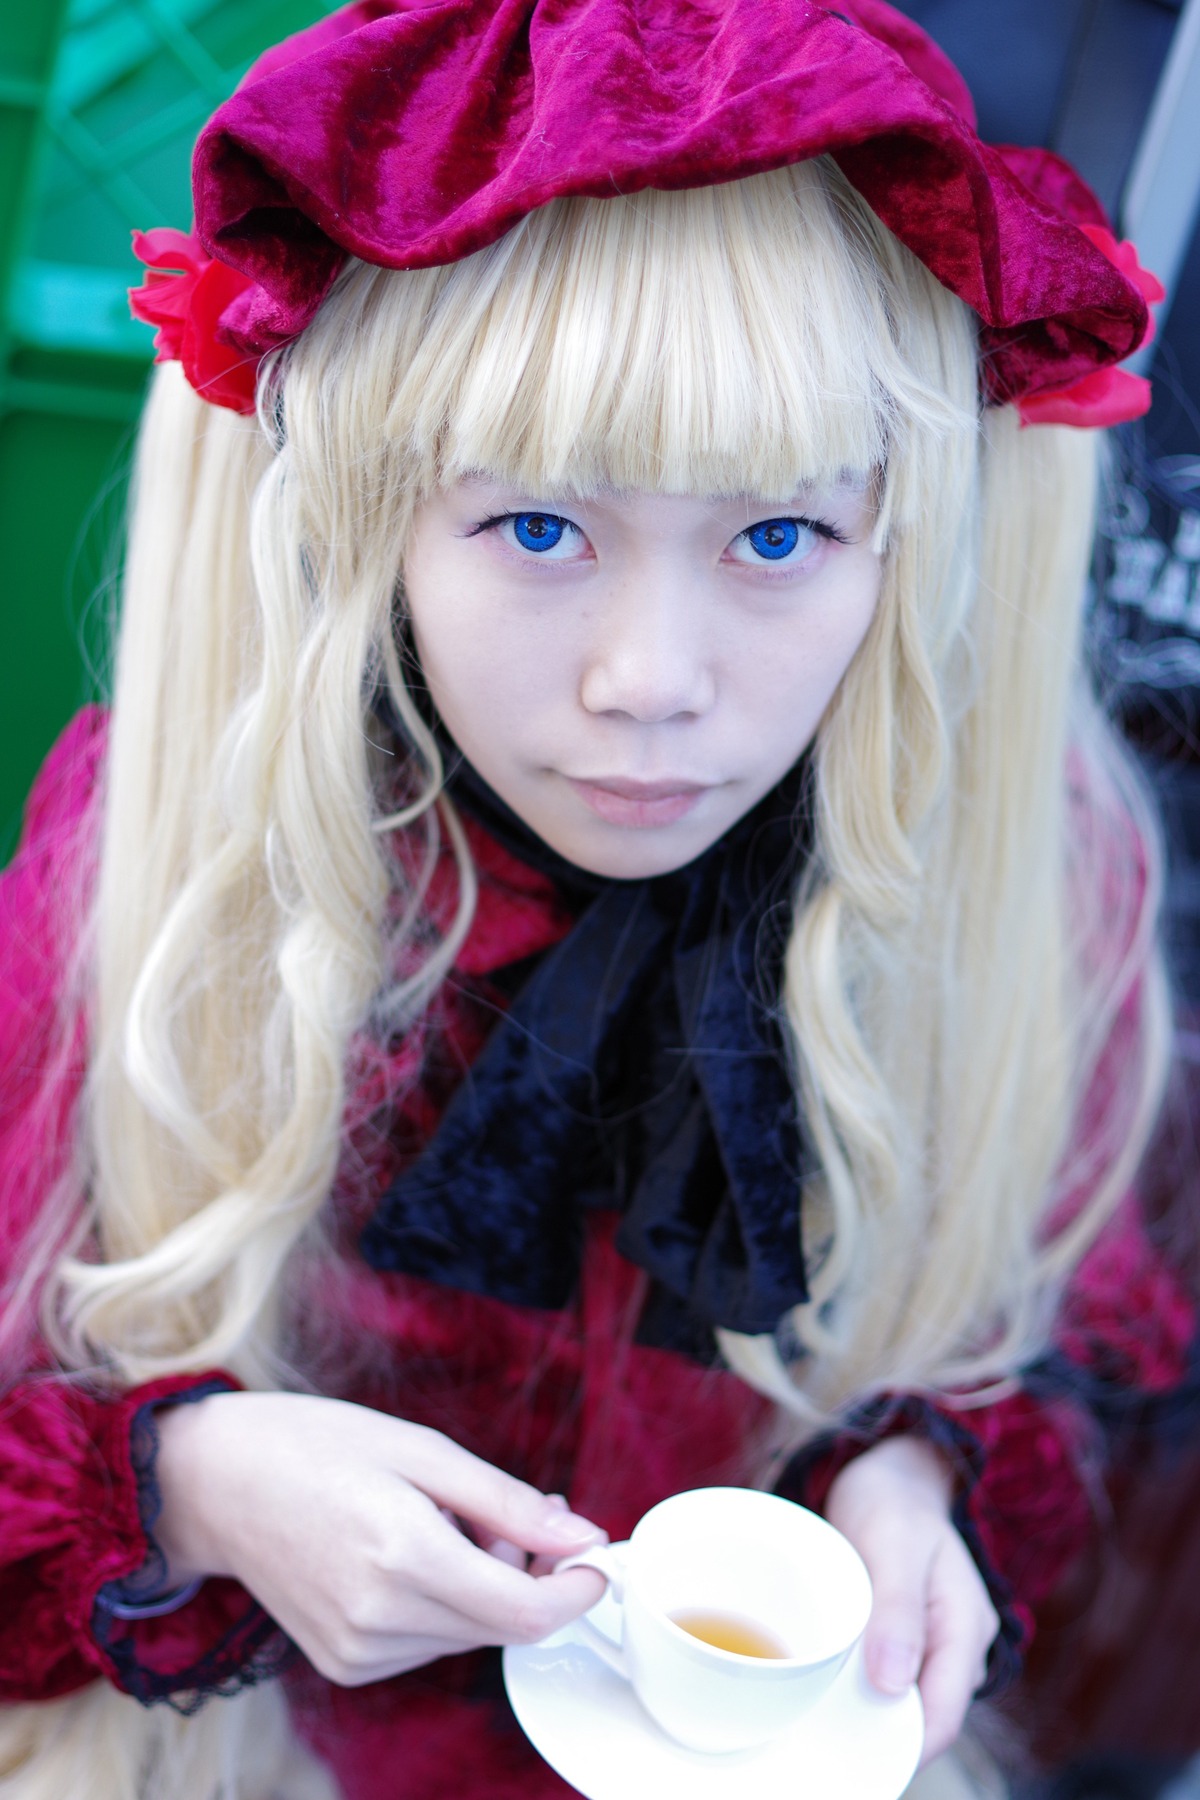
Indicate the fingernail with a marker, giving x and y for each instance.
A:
(568, 1528)
(894, 1667)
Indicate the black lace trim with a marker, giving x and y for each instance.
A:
(1162, 1422)
(149, 1582)
(252, 1650)
(965, 1455)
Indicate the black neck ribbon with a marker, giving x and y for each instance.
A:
(641, 1067)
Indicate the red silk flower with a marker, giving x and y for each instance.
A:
(1107, 396)
(185, 293)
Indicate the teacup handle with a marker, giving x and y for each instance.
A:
(608, 1561)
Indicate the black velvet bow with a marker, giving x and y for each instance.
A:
(641, 1067)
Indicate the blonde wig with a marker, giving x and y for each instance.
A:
(975, 916)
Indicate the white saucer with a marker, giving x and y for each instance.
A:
(856, 1744)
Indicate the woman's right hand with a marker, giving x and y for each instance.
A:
(336, 1518)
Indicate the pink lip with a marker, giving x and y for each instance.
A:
(639, 803)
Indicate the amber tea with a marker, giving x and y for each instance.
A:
(728, 1631)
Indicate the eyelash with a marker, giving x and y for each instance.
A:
(822, 527)
(523, 512)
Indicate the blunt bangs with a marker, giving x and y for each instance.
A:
(728, 340)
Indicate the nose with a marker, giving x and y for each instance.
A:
(648, 659)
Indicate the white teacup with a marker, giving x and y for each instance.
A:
(749, 1559)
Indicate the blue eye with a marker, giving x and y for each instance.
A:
(789, 541)
(545, 535)
(538, 531)
(774, 538)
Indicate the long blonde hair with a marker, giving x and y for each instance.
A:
(978, 907)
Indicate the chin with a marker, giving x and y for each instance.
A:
(638, 857)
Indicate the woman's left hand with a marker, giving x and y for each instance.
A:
(932, 1621)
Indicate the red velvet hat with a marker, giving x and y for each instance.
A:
(413, 132)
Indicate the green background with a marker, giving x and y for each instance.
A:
(100, 103)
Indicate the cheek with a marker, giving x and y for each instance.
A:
(848, 630)
(491, 685)
(496, 660)
(803, 675)
(468, 688)
(451, 634)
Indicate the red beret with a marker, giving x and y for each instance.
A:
(413, 132)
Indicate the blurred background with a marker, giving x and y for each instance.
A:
(100, 102)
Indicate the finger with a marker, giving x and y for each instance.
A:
(485, 1495)
(893, 1651)
(430, 1581)
(962, 1625)
(894, 1644)
(512, 1554)
(498, 1603)
(531, 1609)
(506, 1551)
(518, 1608)
(364, 1631)
(947, 1683)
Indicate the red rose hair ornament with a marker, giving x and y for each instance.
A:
(185, 294)
(412, 132)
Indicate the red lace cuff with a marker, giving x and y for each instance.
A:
(212, 1639)
(73, 1521)
(219, 1642)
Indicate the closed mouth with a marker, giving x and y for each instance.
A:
(640, 790)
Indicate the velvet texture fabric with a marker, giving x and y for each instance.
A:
(413, 134)
(563, 1398)
(640, 1068)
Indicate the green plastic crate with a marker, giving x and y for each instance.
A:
(100, 103)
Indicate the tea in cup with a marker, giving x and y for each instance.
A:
(729, 1631)
(738, 1609)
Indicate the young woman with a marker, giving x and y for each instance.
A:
(602, 946)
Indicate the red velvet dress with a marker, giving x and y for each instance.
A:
(565, 1399)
